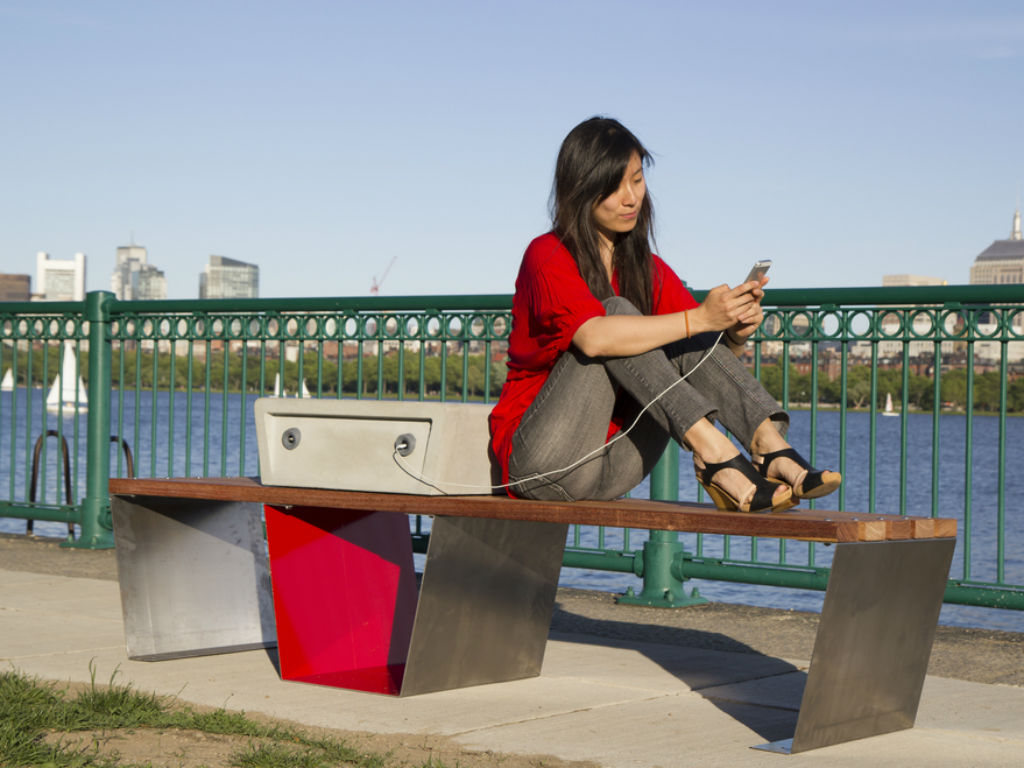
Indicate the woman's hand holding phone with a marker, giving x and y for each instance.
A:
(758, 271)
(753, 316)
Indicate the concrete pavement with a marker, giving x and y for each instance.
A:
(619, 703)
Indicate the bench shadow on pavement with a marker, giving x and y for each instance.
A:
(760, 691)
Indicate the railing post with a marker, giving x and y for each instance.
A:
(662, 589)
(97, 532)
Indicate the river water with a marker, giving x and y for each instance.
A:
(182, 436)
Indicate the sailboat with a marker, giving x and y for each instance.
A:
(888, 406)
(7, 385)
(68, 390)
(277, 391)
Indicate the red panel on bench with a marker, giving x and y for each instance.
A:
(344, 596)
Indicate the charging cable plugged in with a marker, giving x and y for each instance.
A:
(405, 444)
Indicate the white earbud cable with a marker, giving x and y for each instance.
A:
(435, 483)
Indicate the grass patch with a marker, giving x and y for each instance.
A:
(33, 711)
(318, 755)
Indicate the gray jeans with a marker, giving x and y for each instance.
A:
(569, 417)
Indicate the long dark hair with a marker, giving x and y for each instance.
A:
(591, 163)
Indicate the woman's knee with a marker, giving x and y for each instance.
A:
(617, 305)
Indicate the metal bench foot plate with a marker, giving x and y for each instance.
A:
(193, 577)
(874, 640)
(348, 613)
(485, 604)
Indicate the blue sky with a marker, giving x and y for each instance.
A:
(321, 140)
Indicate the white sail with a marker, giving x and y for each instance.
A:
(276, 391)
(304, 392)
(888, 406)
(7, 385)
(68, 388)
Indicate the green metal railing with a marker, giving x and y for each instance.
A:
(172, 383)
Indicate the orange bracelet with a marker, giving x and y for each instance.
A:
(686, 316)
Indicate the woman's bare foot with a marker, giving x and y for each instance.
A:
(789, 467)
(733, 484)
(779, 462)
(728, 477)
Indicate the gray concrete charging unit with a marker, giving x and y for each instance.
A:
(376, 446)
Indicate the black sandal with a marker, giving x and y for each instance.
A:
(764, 498)
(816, 482)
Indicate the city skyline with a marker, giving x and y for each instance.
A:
(884, 279)
(133, 278)
(335, 138)
(1009, 249)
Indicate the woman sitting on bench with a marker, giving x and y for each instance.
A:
(604, 334)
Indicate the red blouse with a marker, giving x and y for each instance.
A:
(551, 302)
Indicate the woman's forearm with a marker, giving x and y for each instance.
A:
(626, 335)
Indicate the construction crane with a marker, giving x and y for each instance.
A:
(376, 284)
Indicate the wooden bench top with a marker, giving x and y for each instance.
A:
(796, 523)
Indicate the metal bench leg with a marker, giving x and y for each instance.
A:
(344, 596)
(193, 577)
(485, 604)
(874, 640)
(348, 614)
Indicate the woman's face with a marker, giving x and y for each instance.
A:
(619, 211)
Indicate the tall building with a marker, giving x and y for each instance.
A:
(135, 279)
(226, 278)
(15, 287)
(60, 280)
(1003, 261)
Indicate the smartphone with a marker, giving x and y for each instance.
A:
(758, 270)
